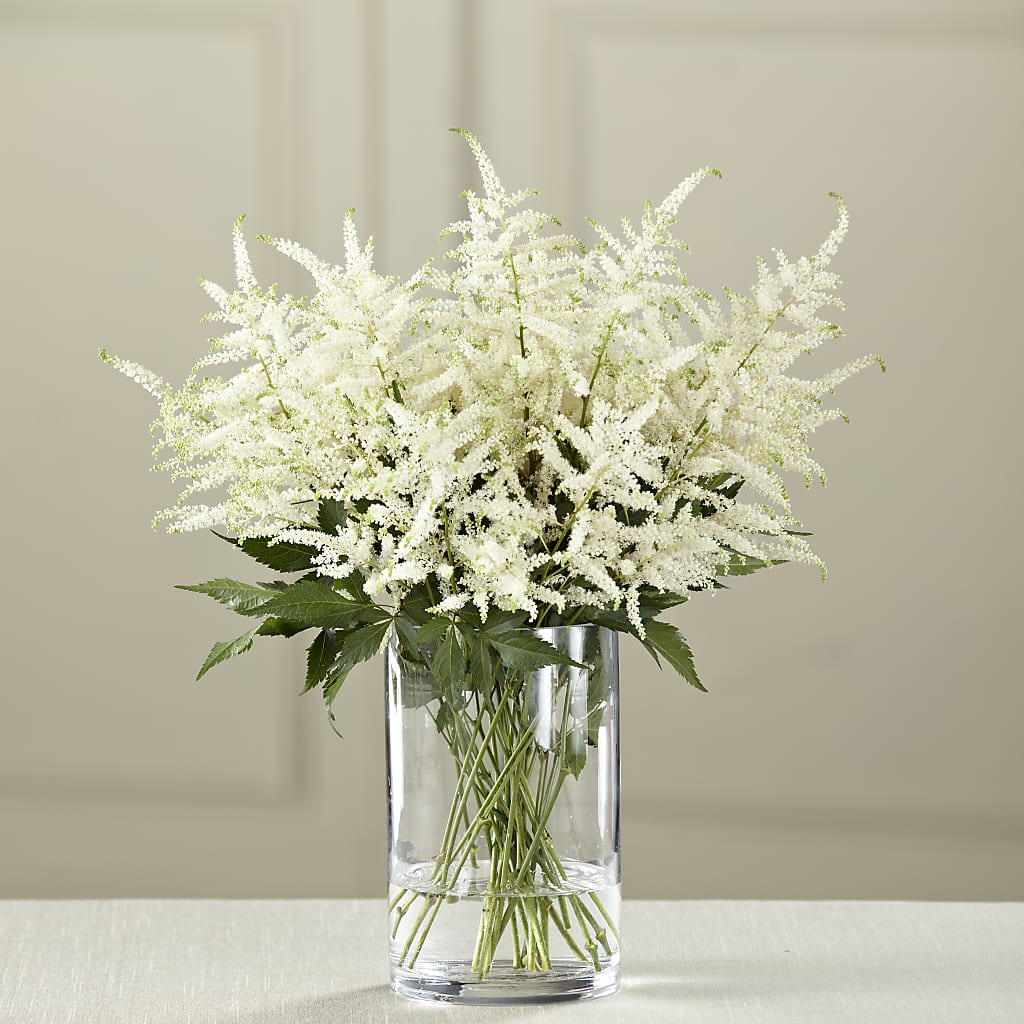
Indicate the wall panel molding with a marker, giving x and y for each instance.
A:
(577, 39)
(272, 29)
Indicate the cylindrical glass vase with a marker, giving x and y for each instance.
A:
(503, 824)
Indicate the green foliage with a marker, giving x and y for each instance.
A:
(224, 651)
(448, 666)
(364, 642)
(444, 658)
(331, 515)
(319, 658)
(664, 639)
(744, 565)
(310, 603)
(243, 598)
(283, 556)
(275, 626)
(526, 652)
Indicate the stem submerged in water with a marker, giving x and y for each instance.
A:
(511, 774)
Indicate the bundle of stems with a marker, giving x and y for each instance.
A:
(513, 764)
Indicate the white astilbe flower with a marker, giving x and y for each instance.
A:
(532, 425)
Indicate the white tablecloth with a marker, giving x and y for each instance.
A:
(324, 962)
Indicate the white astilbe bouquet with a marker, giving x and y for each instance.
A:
(532, 427)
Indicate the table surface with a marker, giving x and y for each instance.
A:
(324, 962)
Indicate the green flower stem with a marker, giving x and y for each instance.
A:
(480, 820)
(538, 835)
(461, 788)
(563, 927)
(437, 901)
(604, 913)
(588, 939)
(517, 953)
(597, 367)
(428, 900)
(515, 785)
(600, 933)
(444, 863)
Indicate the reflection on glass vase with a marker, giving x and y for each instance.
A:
(503, 822)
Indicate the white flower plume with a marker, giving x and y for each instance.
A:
(532, 425)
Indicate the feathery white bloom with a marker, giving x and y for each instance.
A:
(532, 426)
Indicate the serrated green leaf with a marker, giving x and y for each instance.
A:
(308, 603)
(526, 652)
(499, 621)
(332, 684)
(281, 627)
(353, 585)
(616, 620)
(364, 642)
(469, 618)
(406, 630)
(445, 717)
(598, 695)
(284, 556)
(419, 687)
(663, 638)
(416, 603)
(319, 658)
(330, 515)
(431, 630)
(744, 565)
(481, 665)
(223, 651)
(574, 749)
(244, 598)
(654, 602)
(448, 666)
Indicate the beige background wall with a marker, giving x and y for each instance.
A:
(861, 738)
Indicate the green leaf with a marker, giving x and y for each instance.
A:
(244, 598)
(598, 694)
(448, 665)
(528, 653)
(416, 603)
(353, 585)
(331, 514)
(284, 556)
(281, 627)
(332, 684)
(480, 665)
(663, 638)
(364, 642)
(419, 687)
(445, 717)
(319, 658)
(616, 620)
(654, 602)
(224, 651)
(499, 621)
(406, 630)
(744, 565)
(574, 749)
(308, 603)
(431, 630)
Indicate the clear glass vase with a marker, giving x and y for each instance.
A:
(503, 827)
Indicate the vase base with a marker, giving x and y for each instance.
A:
(448, 982)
